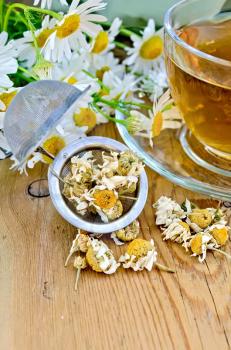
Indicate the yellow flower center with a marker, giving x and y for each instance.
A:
(86, 117)
(221, 235)
(139, 248)
(196, 244)
(151, 48)
(157, 124)
(72, 80)
(100, 72)
(43, 36)
(70, 25)
(7, 98)
(101, 42)
(105, 199)
(53, 145)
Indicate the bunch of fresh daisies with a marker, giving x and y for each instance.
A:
(78, 46)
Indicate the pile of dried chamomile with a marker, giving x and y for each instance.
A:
(100, 183)
(197, 230)
(93, 253)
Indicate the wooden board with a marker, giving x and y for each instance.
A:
(39, 308)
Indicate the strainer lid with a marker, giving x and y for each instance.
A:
(34, 112)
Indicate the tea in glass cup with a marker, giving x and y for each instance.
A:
(198, 63)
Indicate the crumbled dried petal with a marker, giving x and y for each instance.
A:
(178, 231)
(167, 211)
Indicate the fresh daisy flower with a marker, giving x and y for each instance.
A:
(86, 116)
(26, 52)
(72, 72)
(69, 32)
(103, 41)
(104, 63)
(118, 88)
(8, 63)
(6, 97)
(164, 115)
(4, 147)
(155, 82)
(48, 3)
(146, 51)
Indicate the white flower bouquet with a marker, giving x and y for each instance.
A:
(80, 47)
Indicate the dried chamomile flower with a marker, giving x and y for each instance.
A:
(200, 217)
(141, 254)
(74, 190)
(178, 231)
(105, 199)
(100, 257)
(199, 245)
(82, 167)
(220, 233)
(126, 234)
(110, 164)
(167, 211)
(129, 164)
(79, 244)
(130, 187)
(80, 263)
(114, 212)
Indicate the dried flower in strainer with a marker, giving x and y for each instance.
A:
(99, 182)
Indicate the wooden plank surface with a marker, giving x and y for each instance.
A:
(39, 308)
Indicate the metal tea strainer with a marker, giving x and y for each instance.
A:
(34, 112)
(92, 223)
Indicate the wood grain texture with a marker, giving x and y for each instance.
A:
(39, 308)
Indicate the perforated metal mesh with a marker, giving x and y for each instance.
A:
(34, 112)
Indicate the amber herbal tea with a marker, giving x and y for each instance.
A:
(205, 103)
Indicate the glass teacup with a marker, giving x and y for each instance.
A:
(198, 63)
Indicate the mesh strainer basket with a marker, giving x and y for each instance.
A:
(61, 167)
(34, 112)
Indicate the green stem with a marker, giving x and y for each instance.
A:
(30, 8)
(24, 70)
(123, 31)
(108, 117)
(101, 84)
(22, 19)
(141, 105)
(120, 45)
(2, 5)
(32, 29)
(27, 79)
(113, 105)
